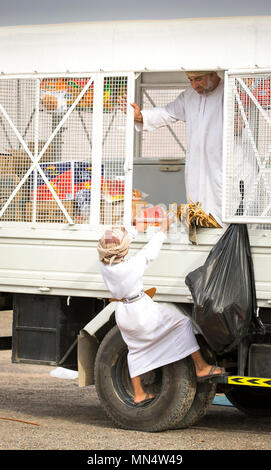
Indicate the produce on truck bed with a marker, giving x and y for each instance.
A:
(193, 214)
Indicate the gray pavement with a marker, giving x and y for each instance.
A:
(41, 412)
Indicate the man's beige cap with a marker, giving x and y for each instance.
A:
(193, 74)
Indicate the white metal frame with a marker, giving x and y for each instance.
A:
(244, 219)
(97, 132)
(128, 164)
(98, 146)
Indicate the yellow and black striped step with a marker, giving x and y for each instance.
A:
(249, 381)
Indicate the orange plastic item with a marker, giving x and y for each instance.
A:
(151, 216)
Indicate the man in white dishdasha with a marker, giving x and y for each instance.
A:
(201, 107)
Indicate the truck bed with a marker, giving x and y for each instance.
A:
(64, 262)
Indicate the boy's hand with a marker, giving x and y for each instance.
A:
(165, 224)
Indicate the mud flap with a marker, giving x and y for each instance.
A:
(88, 345)
(87, 348)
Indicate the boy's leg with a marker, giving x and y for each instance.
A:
(201, 366)
(139, 393)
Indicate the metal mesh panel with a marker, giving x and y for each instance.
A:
(18, 100)
(46, 142)
(167, 142)
(114, 150)
(67, 161)
(247, 188)
(42, 116)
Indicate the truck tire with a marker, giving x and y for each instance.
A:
(204, 397)
(174, 386)
(205, 392)
(253, 401)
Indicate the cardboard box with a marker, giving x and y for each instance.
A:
(7, 163)
(19, 161)
(8, 182)
(48, 154)
(49, 211)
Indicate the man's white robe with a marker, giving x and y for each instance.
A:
(156, 333)
(203, 114)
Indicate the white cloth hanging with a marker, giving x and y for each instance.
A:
(156, 333)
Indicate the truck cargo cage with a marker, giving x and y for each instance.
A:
(247, 148)
(168, 142)
(65, 148)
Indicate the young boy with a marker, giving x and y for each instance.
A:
(155, 333)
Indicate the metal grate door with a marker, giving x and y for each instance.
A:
(247, 148)
(65, 148)
(167, 142)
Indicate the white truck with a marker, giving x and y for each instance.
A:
(70, 161)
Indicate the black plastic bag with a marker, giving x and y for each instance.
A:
(223, 290)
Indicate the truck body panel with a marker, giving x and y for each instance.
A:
(53, 264)
(191, 44)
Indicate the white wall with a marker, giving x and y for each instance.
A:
(241, 42)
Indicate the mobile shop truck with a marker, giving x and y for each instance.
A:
(70, 163)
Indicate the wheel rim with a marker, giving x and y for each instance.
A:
(120, 377)
(151, 381)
